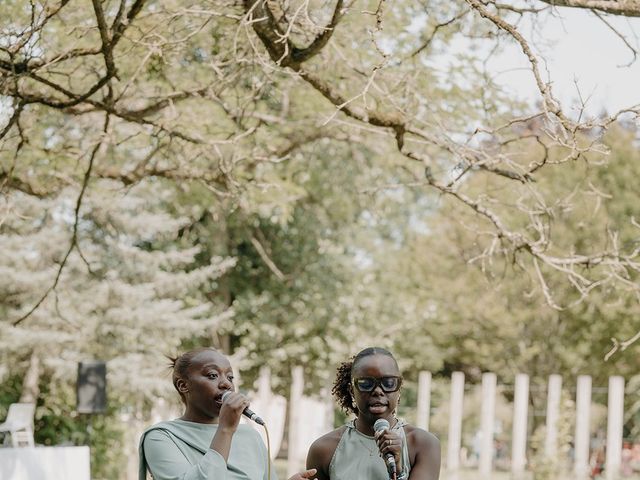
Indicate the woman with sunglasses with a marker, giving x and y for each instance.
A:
(369, 386)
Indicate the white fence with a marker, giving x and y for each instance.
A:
(309, 418)
(303, 429)
(296, 422)
(581, 436)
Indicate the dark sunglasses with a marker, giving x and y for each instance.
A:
(369, 384)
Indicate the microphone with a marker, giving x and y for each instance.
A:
(381, 425)
(247, 412)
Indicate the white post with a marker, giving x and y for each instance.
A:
(264, 385)
(329, 412)
(583, 434)
(424, 400)
(553, 413)
(615, 412)
(520, 408)
(487, 422)
(455, 421)
(297, 388)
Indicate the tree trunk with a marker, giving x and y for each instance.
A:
(219, 234)
(30, 386)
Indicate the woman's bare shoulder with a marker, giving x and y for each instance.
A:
(321, 452)
(420, 437)
(329, 441)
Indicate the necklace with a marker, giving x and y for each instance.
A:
(371, 451)
(368, 442)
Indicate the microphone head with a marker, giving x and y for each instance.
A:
(381, 424)
(225, 395)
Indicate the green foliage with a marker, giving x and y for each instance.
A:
(555, 466)
(57, 423)
(231, 202)
(10, 388)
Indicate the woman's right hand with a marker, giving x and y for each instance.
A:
(306, 474)
(231, 411)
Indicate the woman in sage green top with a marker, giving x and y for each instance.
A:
(369, 386)
(207, 442)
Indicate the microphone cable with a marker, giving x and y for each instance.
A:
(266, 431)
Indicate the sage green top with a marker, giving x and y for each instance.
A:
(357, 456)
(179, 450)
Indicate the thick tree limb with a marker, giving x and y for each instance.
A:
(279, 45)
(626, 8)
(301, 55)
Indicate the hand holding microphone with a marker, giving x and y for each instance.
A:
(390, 445)
(247, 412)
(237, 401)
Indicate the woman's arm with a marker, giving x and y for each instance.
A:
(228, 421)
(321, 452)
(166, 462)
(316, 458)
(426, 447)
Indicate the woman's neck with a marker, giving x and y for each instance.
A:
(194, 416)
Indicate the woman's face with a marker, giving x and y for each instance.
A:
(375, 369)
(208, 377)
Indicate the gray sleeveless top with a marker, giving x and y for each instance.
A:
(357, 455)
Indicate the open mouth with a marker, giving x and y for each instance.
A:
(377, 407)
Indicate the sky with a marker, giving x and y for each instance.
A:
(579, 49)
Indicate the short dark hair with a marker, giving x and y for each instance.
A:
(181, 363)
(342, 386)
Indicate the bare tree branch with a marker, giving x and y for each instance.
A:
(434, 32)
(74, 236)
(622, 37)
(267, 260)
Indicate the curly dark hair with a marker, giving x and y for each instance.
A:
(342, 386)
(180, 364)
